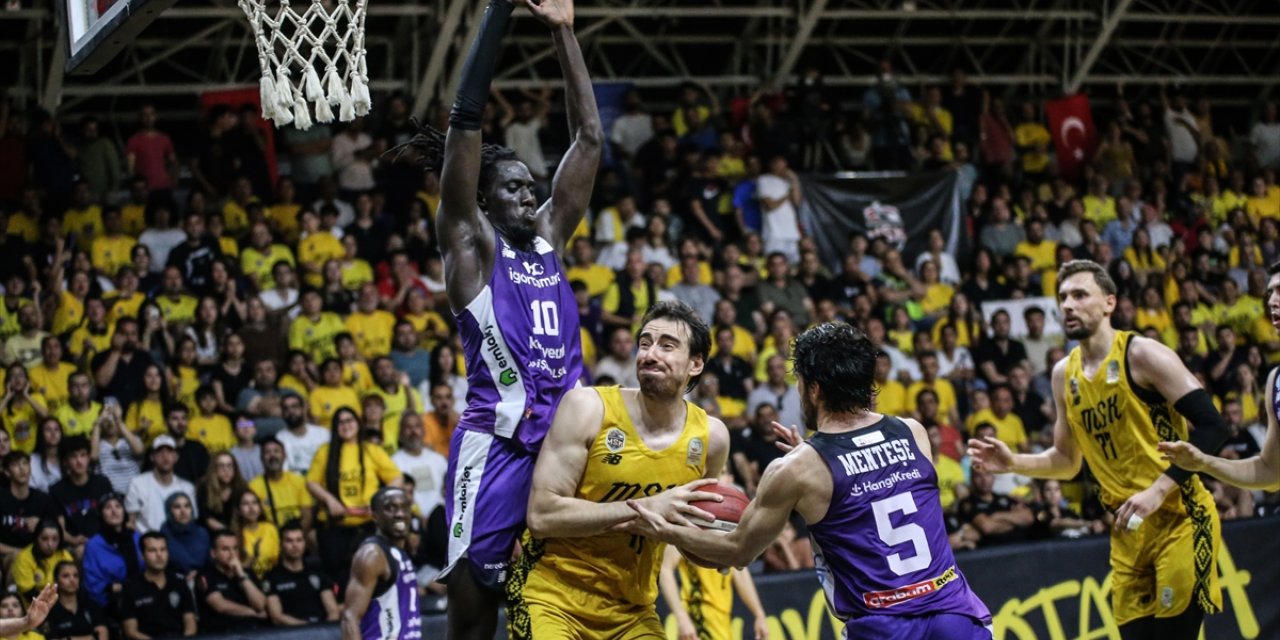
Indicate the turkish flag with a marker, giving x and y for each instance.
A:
(1073, 133)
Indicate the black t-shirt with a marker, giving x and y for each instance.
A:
(299, 592)
(1243, 444)
(989, 351)
(126, 384)
(233, 384)
(196, 262)
(1029, 412)
(974, 505)
(79, 505)
(193, 462)
(62, 623)
(158, 610)
(731, 376)
(14, 528)
(212, 581)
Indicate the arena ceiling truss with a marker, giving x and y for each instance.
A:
(1225, 47)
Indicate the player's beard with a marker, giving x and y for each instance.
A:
(1082, 331)
(809, 413)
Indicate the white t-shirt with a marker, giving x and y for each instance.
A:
(353, 173)
(522, 137)
(273, 300)
(160, 242)
(780, 223)
(300, 450)
(146, 498)
(623, 373)
(1266, 143)
(1182, 142)
(427, 470)
(41, 480)
(632, 130)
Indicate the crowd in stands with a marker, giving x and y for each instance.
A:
(214, 356)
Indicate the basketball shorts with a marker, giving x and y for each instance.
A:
(489, 480)
(560, 611)
(1168, 563)
(939, 626)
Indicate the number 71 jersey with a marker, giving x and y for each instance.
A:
(522, 345)
(881, 548)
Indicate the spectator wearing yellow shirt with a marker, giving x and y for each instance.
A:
(356, 272)
(937, 295)
(207, 426)
(24, 223)
(70, 310)
(1042, 253)
(1262, 202)
(951, 486)
(331, 395)
(283, 215)
(93, 336)
(177, 308)
(259, 258)
(1142, 257)
(33, 567)
(84, 219)
(15, 285)
(1153, 313)
(630, 296)
(133, 213)
(371, 327)
(313, 331)
(744, 344)
(344, 475)
(1099, 206)
(1008, 425)
(429, 326)
(317, 247)
(944, 392)
(126, 300)
(891, 396)
(21, 409)
(1236, 310)
(113, 249)
(236, 211)
(355, 373)
(49, 377)
(283, 494)
(585, 268)
(1029, 133)
(78, 415)
(397, 397)
(259, 538)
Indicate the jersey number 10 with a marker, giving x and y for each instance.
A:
(546, 318)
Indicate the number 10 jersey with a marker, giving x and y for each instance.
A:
(881, 548)
(522, 345)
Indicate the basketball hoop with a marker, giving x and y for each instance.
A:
(293, 45)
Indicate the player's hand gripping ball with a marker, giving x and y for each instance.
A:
(727, 515)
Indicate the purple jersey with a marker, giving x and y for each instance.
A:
(393, 609)
(522, 345)
(881, 548)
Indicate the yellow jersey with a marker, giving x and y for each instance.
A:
(262, 543)
(315, 337)
(9, 326)
(258, 264)
(355, 274)
(78, 423)
(22, 422)
(597, 277)
(744, 344)
(325, 401)
(146, 418)
(1009, 429)
(86, 340)
(133, 219)
(355, 491)
(403, 399)
(51, 383)
(85, 223)
(1117, 425)
(372, 332)
(69, 314)
(707, 595)
(891, 398)
(212, 431)
(122, 307)
(109, 253)
(620, 467)
(950, 476)
(284, 218)
(180, 311)
(318, 248)
(942, 387)
(284, 499)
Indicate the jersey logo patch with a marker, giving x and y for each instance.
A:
(613, 459)
(533, 268)
(174, 599)
(615, 440)
(694, 457)
(1113, 372)
(867, 439)
(1166, 597)
(315, 581)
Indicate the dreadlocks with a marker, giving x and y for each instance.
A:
(428, 146)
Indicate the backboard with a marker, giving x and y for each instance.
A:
(98, 29)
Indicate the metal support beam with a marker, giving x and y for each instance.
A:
(57, 72)
(957, 15)
(435, 64)
(803, 33)
(1100, 42)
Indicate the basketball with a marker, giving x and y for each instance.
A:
(727, 513)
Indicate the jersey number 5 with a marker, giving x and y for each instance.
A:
(546, 318)
(909, 532)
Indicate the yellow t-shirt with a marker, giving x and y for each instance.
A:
(744, 344)
(258, 264)
(284, 217)
(950, 475)
(98, 342)
(180, 311)
(78, 423)
(937, 297)
(86, 223)
(212, 431)
(597, 277)
(398, 402)
(675, 274)
(353, 490)
(1099, 210)
(372, 332)
(1043, 255)
(110, 253)
(619, 564)
(24, 225)
(946, 395)
(30, 574)
(891, 398)
(235, 216)
(319, 248)
(355, 274)
(325, 401)
(51, 383)
(428, 324)
(123, 307)
(69, 315)
(315, 337)
(9, 326)
(262, 544)
(287, 498)
(146, 418)
(23, 423)
(1009, 429)
(356, 375)
(184, 387)
(133, 218)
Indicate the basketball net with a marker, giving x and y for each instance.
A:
(293, 45)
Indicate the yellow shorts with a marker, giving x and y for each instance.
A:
(558, 611)
(1168, 563)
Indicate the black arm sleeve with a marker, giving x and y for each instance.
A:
(1208, 428)
(477, 71)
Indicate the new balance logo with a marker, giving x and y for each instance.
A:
(612, 458)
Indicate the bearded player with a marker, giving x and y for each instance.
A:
(1263, 470)
(1117, 396)
(514, 307)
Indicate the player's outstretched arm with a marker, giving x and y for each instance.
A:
(466, 239)
(1259, 472)
(554, 509)
(1061, 461)
(763, 521)
(1155, 366)
(571, 186)
(367, 567)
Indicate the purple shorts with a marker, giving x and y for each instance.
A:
(941, 626)
(489, 479)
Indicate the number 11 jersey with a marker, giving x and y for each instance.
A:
(881, 548)
(522, 345)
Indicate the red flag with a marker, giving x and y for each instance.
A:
(1074, 137)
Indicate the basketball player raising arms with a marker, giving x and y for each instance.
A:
(382, 596)
(1263, 470)
(515, 311)
(1117, 395)
(866, 486)
(606, 446)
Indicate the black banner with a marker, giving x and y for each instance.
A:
(901, 209)
(1056, 590)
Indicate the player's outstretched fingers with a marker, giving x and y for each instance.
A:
(788, 437)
